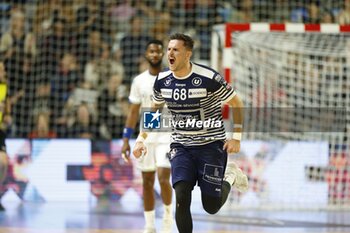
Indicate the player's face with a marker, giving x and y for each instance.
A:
(178, 55)
(154, 54)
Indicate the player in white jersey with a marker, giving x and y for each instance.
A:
(157, 144)
(194, 94)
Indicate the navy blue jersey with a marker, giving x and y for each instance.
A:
(195, 103)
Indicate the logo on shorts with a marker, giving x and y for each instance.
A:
(172, 153)
(213, 174)
(151, 120)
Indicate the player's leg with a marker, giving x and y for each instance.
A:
(163, 171)
(147, 166)
(184, 177)
(233, 177)
(215, 179)
(149, 200)
(211, 160)
(183, 216)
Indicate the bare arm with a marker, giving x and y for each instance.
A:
(131, 121)
(234, 143)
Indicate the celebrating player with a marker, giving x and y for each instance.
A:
(141, 96)
(194, 94)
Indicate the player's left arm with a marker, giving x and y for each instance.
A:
(233, 144)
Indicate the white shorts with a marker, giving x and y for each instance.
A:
(157, 156)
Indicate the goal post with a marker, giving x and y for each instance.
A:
(294, 82)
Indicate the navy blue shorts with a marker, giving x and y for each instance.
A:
(204, 165)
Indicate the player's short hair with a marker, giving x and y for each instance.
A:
(154, 41)
(188, 41)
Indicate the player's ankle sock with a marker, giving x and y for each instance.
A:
(168, 211)
(150, 218)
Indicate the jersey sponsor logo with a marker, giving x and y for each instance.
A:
(167, 82)
(180, 84)
(196, 81)
(166, 93)
(222, 81)
(197, 92)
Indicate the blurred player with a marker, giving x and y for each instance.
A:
(4, 110)
(194, 94)
(141, 96)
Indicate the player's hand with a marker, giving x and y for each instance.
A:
(139, 149)
(126, 151)
(232, 146)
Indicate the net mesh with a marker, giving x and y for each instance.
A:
(295, 87)
(61, 55)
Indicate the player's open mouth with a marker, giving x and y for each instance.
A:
(171, 60)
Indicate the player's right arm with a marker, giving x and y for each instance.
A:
(130, 125)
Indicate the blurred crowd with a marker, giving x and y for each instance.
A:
(70, 63)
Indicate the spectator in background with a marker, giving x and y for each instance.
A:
(112, 108)
(16, 41)
(98, 70)
(83, 94)
(177, 13)
(83, 126)
(87, 19)
(243, 12)
(20, 51)
(94, 48)
(53, 46)
(327, 16)
(132, 47)
(307, 12)
(63, 83)
(205, 17)
(22, 87)
(42, 127)
(121, 11)
(344, 14)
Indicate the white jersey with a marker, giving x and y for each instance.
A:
(141, 93)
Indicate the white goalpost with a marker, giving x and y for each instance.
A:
(294, 81)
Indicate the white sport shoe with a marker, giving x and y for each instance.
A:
(236, 177)
(167, 225)
(149, 230)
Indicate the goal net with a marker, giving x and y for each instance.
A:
(293, 79)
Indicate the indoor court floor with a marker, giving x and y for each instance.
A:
(110, 217)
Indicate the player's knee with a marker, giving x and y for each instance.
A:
(147, 183)
(211, 204)
(183, 193)
(164, 181)
(210, 209)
